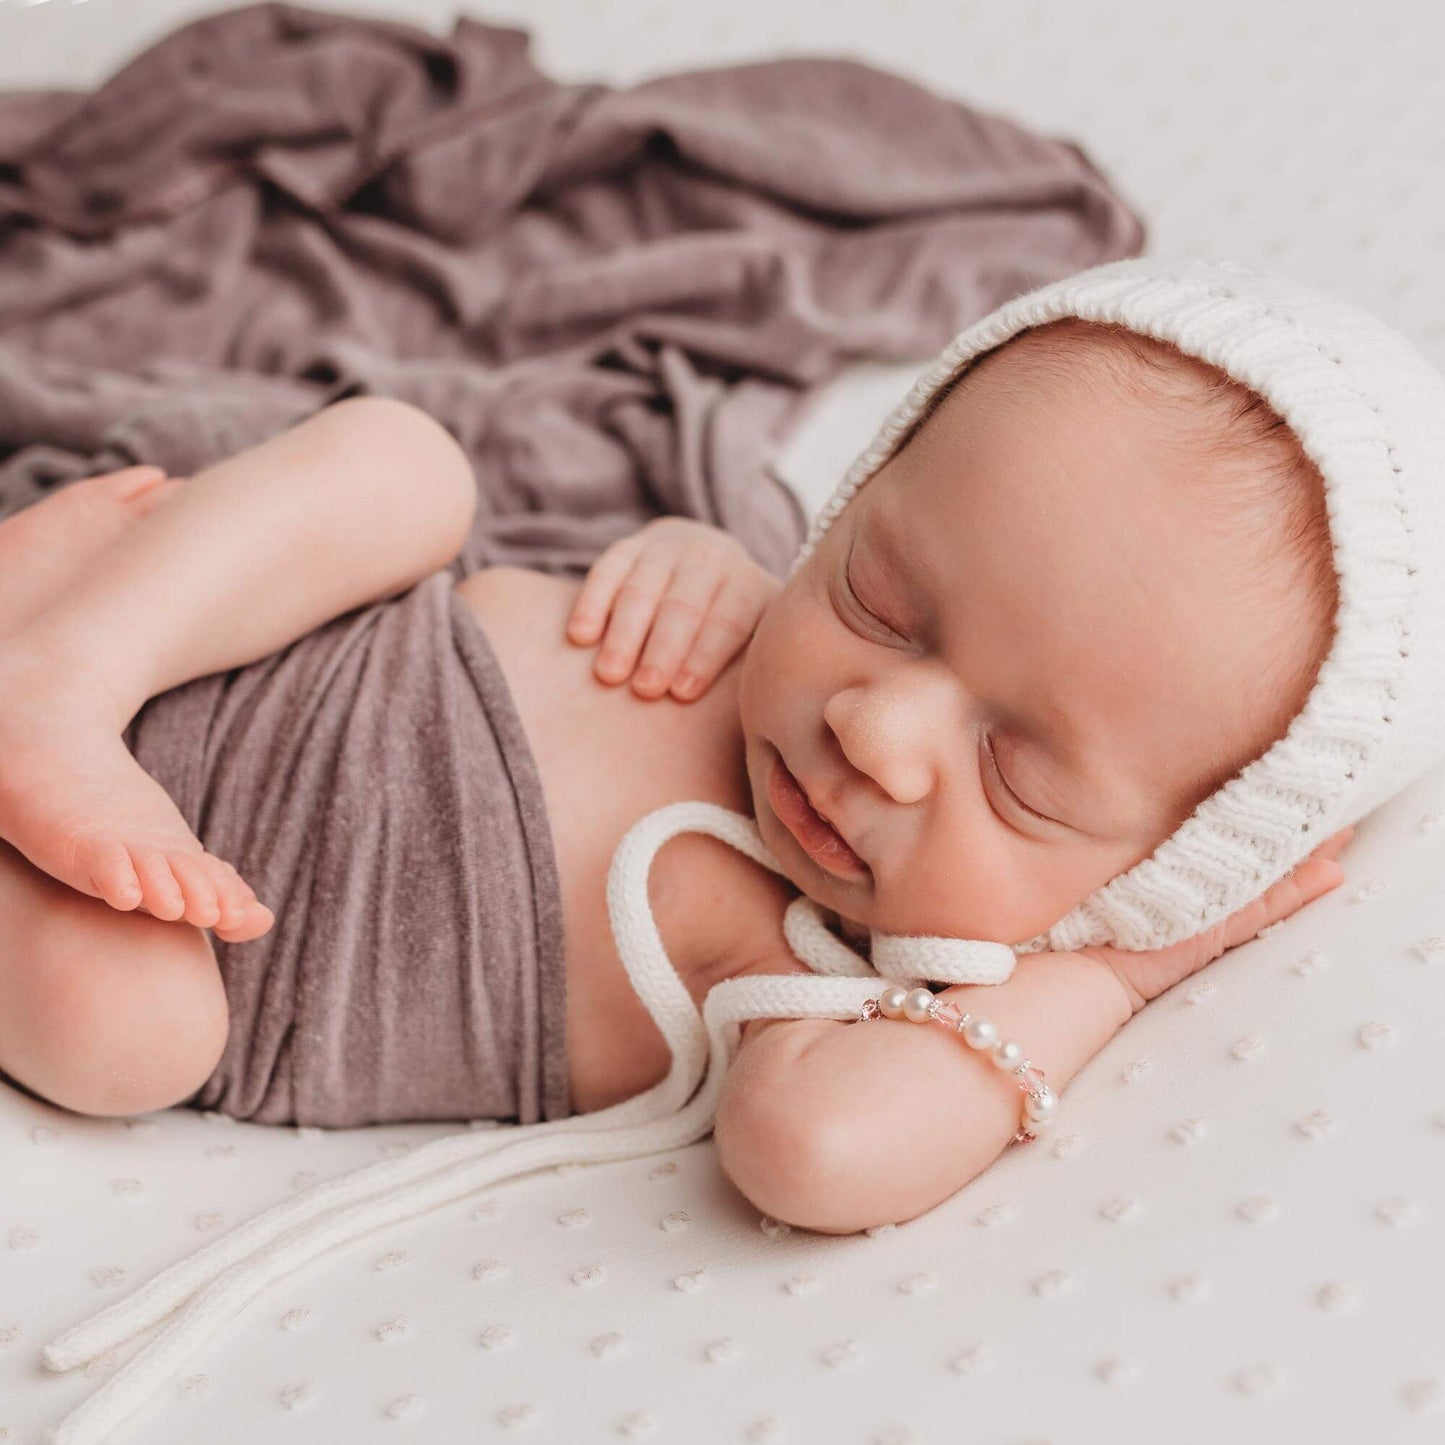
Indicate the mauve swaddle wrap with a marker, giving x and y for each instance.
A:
(374, 785)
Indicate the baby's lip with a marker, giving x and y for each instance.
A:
(828, 812)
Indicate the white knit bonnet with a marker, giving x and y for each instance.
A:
(1368, 410)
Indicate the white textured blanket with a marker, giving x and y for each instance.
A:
(1237, 1232)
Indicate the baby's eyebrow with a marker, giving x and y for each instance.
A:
(1098, 792)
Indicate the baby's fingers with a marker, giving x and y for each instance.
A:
(1314, 875)
(681, 617)
(1309, 880)
(594, 601)
(638, 602)
(730, 623)
(1334, 845)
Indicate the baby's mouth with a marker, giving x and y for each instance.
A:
(815, 835)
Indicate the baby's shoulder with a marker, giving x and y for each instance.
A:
(743, 905)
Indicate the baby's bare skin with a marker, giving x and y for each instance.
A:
(232, 569)
(55, 710)
(84, 990)
(100, 823)
(44, 547)
(608, 756)
(100, 1012)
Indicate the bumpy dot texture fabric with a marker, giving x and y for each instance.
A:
(1228, 1239)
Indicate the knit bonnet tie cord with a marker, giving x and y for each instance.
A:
(217, 1281)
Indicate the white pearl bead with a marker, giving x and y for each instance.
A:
(980, 1034)
(890, 1001)
(1008, 1054)
(1042, 1107)
(918, 1004)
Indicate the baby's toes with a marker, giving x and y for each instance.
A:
(256, 921)
(242, 917)
(233, 894)
(111, 872)
(194, 875)
(160, 892)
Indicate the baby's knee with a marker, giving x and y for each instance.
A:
(436, 470)
(133, 1025)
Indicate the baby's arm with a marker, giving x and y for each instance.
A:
(840, 1125)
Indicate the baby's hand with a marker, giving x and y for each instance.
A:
(690, 591)
(1147, 974)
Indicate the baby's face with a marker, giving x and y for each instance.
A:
(1023, 609)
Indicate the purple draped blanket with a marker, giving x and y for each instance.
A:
(617, 299)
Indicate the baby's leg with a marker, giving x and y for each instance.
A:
(356, 503)
(44, 547)
(102, 1012)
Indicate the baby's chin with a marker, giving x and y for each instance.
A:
(850, 928)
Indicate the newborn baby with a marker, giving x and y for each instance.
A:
(1092, 586)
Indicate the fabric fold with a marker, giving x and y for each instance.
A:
(373, 783)
(617, 299)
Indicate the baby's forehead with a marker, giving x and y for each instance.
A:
(1091, 362)
(1060, 384)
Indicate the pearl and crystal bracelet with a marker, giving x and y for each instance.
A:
(921, 1006)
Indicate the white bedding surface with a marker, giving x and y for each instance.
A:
(1235, 1232)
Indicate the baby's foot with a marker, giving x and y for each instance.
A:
(77, 804)
(47, 544)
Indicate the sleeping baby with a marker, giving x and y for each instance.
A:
(246, 869)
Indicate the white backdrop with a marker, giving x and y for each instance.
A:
(1236, 1232)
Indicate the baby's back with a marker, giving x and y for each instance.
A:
(607, 758)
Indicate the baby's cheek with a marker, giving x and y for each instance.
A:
(791, 662)
(783, 635)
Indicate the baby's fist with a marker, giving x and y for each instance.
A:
(687, 591)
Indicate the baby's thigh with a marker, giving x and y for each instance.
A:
(102, 1012)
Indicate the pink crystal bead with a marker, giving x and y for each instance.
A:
(1031, 1079)
(948, 1012)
